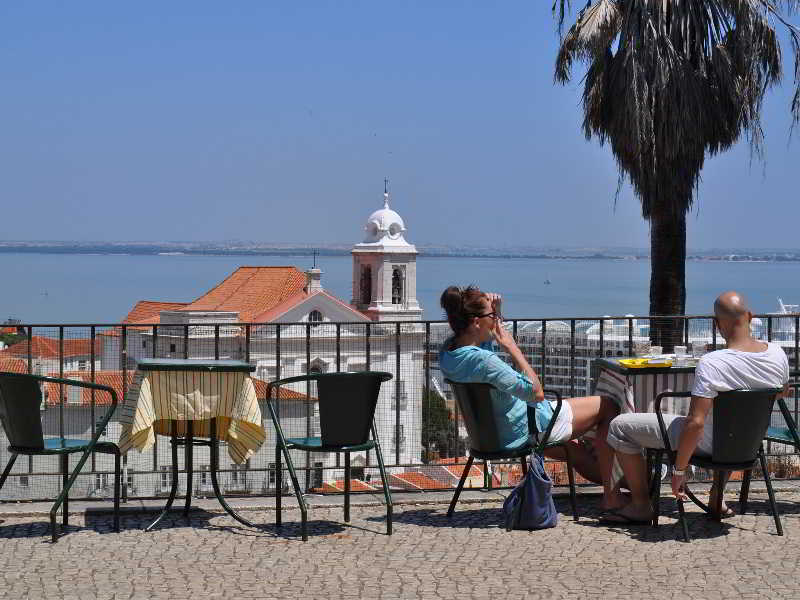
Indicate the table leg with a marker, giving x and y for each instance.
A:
(215, 483)
(174, 490)
(189, 460)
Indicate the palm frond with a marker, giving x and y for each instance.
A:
(670, 82)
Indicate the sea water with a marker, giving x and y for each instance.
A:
(75, 288)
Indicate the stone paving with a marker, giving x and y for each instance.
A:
(429, 556)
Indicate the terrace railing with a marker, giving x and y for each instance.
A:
(417, 419)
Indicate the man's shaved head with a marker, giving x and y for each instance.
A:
(731, 305)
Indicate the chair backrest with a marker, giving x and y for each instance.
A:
(475, 403)
(20, 402)
(741, 418)
(347, 404)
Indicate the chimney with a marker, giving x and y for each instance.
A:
(313, 280)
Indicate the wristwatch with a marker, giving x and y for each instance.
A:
(679, 472)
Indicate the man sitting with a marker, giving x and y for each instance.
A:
(746, 363)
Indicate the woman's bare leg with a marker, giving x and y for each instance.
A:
(591, 412)
(585, 462)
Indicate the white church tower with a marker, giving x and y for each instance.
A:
(385, 269)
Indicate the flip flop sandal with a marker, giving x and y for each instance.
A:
(613, 517)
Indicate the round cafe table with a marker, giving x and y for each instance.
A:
(195, 403)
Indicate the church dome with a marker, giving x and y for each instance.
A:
(384, 224)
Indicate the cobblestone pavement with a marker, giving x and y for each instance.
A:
(428, 556)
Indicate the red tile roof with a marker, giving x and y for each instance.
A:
(44, 347)
(251, 291)
(356, 485)
(13, 365)
(416, 481)
(113, 379)
(285, 393)
(285, 306)
(8, 330)
(149, 311)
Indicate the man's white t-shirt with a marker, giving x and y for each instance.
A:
(725, 370)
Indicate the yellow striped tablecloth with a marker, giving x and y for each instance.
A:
(157, 398)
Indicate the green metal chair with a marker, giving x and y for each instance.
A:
(741, 418)
(20, 402)
(347, 404)
(475, 403)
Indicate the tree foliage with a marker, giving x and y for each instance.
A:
(439, 432)
(669, 83)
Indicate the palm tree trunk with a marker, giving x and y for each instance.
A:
(667, 275)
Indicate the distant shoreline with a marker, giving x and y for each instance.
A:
(176, 249)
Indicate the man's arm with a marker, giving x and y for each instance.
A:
(689, 438)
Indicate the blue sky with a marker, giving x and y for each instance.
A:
(277, 122)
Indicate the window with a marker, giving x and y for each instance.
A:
(401, 436)
(397, 286)
(172, 347)
(100, 481)
(129, 482)
(165, 479)
(74, 394)
(272, 473)
(366, 284)
(144, 344)
(315, 318)
(204, 481)
(317, 478)
(83, 365)
(23, 481)
(234, 474)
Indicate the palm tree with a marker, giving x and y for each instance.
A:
(668, 83)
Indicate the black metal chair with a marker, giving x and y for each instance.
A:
(347, 404)
(475, 403)
(20, 402)
(785, 435)
(741, 418)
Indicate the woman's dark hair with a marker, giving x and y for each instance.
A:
(460, 305)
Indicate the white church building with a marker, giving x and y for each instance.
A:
(293, 330)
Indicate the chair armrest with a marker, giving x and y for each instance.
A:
(662, 428)
(545, 438)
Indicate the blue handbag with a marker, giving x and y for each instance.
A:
(530, 505)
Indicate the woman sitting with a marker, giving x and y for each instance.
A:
(467, 357)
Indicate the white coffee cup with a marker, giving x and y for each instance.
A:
(656, 350)
(680, 350)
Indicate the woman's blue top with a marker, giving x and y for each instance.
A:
(510, 393)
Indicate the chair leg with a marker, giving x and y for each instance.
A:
(682, 517)
(770, 491)
(7, 470)
(278, 485)
(654, 458)
(300, 500)
(716, 510)
(346, 487)
(745, 491)
(386, 493)
(461, 482)
(571, 476)
(64, 480)
(117, 477)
